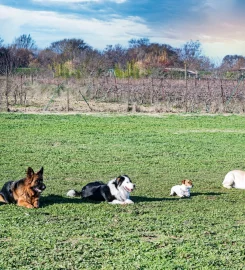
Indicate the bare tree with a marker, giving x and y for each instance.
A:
(21, 57)
(23, 50)
(115, 55)
(232, 62)
(152, 55)
(134, 43)
(191, 54)
(1, 42)
(68, 49)
(6, 61)
(137, 48)
(25, 42)
(6, 68)
(46, 58)
(91, 62)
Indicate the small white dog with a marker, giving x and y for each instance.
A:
(234, 179)
(182, 190)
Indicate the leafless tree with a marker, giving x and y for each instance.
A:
(6, 68)
(115, 55)
(191, 54)
(232, 62)
(1, 42)
(21, 57)
(68, 49)
(91, 63)
(46, 58)
(25, 42)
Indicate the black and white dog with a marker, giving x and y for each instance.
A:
(117, 191)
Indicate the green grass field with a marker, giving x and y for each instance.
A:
(206, 231)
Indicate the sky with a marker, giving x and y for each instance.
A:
(217, 24)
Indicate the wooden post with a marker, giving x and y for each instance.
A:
(68, 99)
(186, 88)
(185, 73)
(21, 88)
(7, 89)
(222, 92)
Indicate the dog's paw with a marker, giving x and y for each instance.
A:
(226, 186)
(116, 202)
(71, 193)
(128, 201)
(29, 206)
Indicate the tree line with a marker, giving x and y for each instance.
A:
(75, 58)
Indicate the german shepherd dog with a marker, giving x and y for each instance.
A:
(25, 192)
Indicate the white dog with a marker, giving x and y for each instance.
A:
(234, 179)
(182, 190)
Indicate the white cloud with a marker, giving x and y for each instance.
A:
(217, 50)
(78, 1)
(220, 33)
(65, 1)
(47, 27)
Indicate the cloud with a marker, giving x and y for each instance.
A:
(218, 24)
(64, 1)
(78, 1)
(46, 27)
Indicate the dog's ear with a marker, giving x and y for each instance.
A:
(120, 179)
(29, 175)
(29, 172)
(40, 172)
(183, 181)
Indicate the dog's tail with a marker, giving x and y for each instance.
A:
(73, 193)
(2, 199)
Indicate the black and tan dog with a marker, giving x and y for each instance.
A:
(25, 192)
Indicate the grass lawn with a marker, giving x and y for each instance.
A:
(206, 231)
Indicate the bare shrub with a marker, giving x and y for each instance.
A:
(207, 95)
